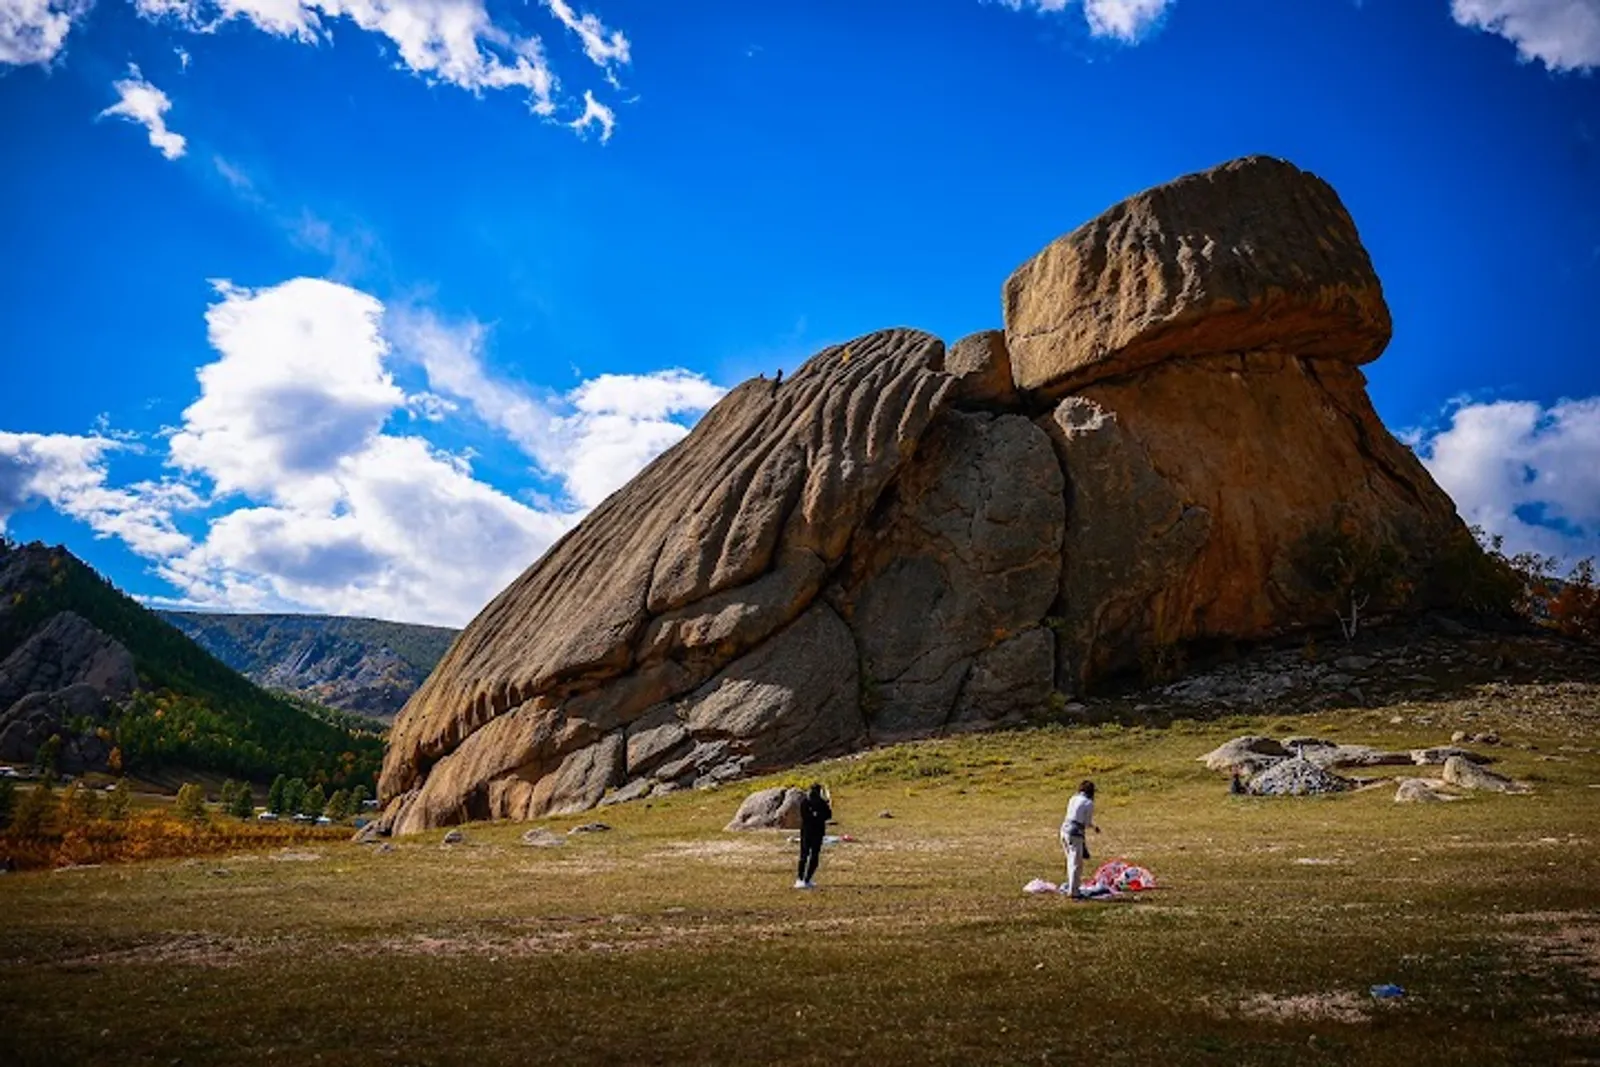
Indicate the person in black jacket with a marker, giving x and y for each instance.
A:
(815, 813)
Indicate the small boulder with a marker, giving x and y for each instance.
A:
(1467, 775)
(1415, 791)
(769, 809)
(539, 837)
(589, 828)
(455, 837)
(1249, 752)
(368, 834)
(1296, 777)
(1458, 737)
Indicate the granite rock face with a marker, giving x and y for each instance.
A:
(1250, 255)
(66, 672)
(901, 541)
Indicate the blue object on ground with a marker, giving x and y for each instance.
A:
(1387, 991)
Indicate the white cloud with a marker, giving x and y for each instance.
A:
(595, 114)
(593, 438)
(69, 473)
(1128, 21)
(606, 48)
(304, 496)
(1562, 34)
(143, 103)
(456, 42)
(184, 59)
(35, 31)
(1525, 471)
(300, 386)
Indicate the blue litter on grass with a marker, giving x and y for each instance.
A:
(1388, 991)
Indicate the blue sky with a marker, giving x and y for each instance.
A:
(355, 305)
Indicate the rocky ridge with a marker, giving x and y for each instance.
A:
(365, 666)
(902, 540)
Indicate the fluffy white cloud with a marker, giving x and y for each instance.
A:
(337, 515)
(1527, 472)
(140, 102)
(593, 438)
(300, 386)
(69, 474)
(1125, 20)
(595, 114)
(456, 42)
(608, 49)
(312, 500)
(1562, 34)
(35, 31)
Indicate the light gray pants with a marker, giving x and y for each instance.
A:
(1074, 846)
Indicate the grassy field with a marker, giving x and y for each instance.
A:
(668, 940)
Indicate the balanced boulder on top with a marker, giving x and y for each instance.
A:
(901, 541)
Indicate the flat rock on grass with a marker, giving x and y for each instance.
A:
(539, 837)
(1248, 752)
(1326, 755)
(1425, 757)
(1459, 772)
(1420, 791)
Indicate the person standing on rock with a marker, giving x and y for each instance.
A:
(815, 812)
(1080, 817)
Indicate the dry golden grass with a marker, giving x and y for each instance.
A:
(668, 940)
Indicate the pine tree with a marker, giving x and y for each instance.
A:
(275, 795)
(315, 800)
(339, 806)
(226, 794)
(244, 802)
(294, 795)
(35, 811)
(191, 802)
(358, 799)
(119, 802)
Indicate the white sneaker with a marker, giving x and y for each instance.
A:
(798, 884)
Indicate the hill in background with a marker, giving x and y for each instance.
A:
(92, 680)
(365, 666)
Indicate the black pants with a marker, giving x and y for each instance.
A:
(810, 853)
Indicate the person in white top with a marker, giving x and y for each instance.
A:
(1080, 818)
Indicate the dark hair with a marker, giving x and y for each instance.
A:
(816, 790)
(1086, 787)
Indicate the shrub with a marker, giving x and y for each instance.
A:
(8, 801)
(1345, 561)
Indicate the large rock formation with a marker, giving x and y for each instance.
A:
(901, 541)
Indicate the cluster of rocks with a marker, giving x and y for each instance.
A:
(1301, 766)
(903, 539)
